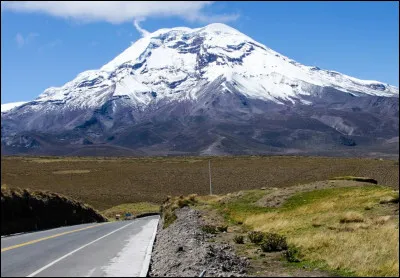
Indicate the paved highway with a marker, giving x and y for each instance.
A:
(120, 248)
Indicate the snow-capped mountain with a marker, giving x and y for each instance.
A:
(8, 106)
(214, 87)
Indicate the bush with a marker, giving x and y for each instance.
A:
(183, 203)
(222, 229)
(273, 242)
(192, 197)
(209, 229)
(169, 218)
(239, 239)
(292, 254)
(255, 237)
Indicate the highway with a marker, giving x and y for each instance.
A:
(109, 249)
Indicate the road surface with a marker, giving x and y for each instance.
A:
(120, 248)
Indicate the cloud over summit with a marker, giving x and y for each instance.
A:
(116, 12)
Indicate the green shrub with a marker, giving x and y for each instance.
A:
(255, 237)
(292, 254)
(273, 242)
(192, 197)
(185, 202)
(239, 239)
(169, 218)
(209, 229)
(222, 229)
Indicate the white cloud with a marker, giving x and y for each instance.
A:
(21, 40)
(142, 31)
(120, 11)
(50, 45)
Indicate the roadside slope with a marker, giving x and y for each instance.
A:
(23, 210)
(326, 228)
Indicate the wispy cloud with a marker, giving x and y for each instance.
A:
(142, 31)
(50, 45)
(21, 40)
(120, 11)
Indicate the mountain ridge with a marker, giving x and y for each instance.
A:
(214, 73)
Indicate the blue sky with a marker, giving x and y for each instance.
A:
(44, 46)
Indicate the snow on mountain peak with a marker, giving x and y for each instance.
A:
(220, 28)
(170, 64)
(8, 106)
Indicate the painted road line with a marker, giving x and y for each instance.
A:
(12, 236)
(46, 238)
(76, 250)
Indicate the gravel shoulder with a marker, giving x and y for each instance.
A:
(184, 250)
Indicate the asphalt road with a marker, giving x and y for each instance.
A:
(120, 248)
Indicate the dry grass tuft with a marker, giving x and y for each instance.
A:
(352, 216)
(381, 220)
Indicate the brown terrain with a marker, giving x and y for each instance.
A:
(107, 182)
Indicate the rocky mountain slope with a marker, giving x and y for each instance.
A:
(206, 91)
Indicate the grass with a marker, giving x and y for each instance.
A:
(134, 208)
(243, 207)
(239, 239)
(113, 181)
(352, 217)
(329, 226)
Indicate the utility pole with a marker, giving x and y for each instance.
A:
(209, 172)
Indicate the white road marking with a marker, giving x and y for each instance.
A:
(146, 262)
(76, 250)
(19, 235)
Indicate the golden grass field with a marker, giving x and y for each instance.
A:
(107, 182)
(351, 230)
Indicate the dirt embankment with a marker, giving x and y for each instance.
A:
(23, 210)
(184, 250)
